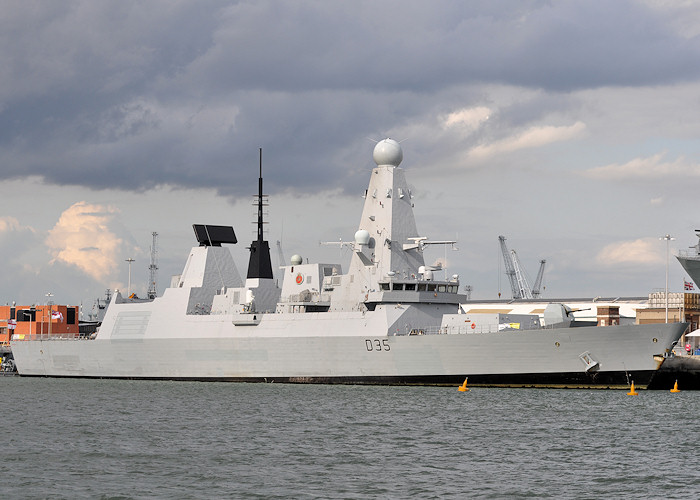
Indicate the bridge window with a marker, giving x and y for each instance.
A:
(410, 286)
(397, 286)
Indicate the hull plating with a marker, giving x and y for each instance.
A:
(549, 358)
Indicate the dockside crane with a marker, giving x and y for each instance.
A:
(280, 254)
(510, 270)
(519, 281)
(538, 281)
(153, 268)
(524, 290)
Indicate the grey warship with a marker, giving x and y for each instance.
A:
(690, 260)
(387, 320)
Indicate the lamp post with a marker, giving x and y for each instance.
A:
(28, 312)
(128, 288)
(50, 304)
(667, 238)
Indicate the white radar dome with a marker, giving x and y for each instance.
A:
(388, 152)
(362, 237)
(296, 260)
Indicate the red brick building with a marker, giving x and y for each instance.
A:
(26, 321)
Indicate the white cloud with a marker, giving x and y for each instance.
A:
(643, 251)
(467, 118)
(82, 237)
(534, 137)
(8, 224)
(652, 167)
(683, 16)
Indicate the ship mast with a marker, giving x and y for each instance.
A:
(260, 265)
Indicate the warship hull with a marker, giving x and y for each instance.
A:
(543, 358)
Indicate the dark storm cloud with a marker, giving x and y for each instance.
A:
(415, 46)
(134, 95)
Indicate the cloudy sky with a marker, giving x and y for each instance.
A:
(571, 128)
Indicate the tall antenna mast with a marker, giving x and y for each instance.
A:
(153, 268)
(260, 265)
(260, 201)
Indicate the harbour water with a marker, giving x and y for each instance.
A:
(68, 438)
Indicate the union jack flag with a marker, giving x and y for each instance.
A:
(688, 285)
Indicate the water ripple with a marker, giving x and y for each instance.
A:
(141, 439)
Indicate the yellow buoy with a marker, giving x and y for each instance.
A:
(463, 387)
(675, 387)
(632, 391)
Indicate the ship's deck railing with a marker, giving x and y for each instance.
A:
(53, 336)
(457, 330)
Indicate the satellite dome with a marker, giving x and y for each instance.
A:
(362, 237)
(296, 260)
(388, 152)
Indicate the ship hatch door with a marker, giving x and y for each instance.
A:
(589, 361)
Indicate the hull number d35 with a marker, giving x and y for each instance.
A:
(377, 345)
